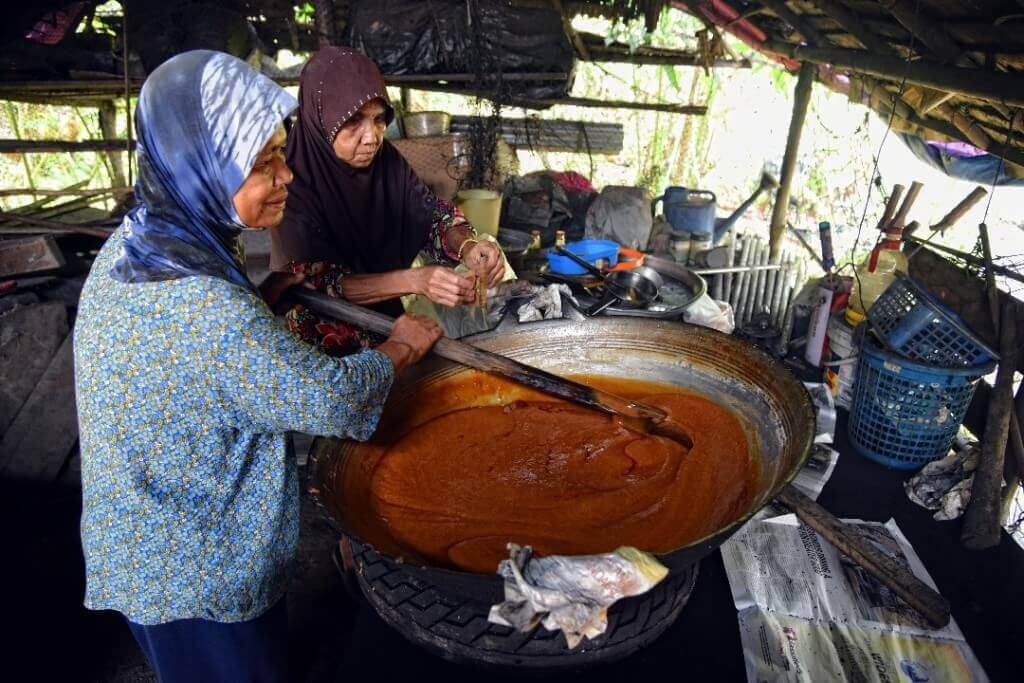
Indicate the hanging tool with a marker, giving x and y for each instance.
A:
(633, 415)
(898, 221)
(890, 207)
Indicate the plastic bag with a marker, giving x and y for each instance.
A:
(537, 202)
(415, 37)
(622, 214)
(571, 593)
(707, 312)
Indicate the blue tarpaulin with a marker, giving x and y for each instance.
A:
(960, 160)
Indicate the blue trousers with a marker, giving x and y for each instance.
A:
(198, 650)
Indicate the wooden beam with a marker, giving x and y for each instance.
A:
(599, 52)
(804, 28)
(929, 33)
(53, 227)
(991, 86)
(51, 146)
(71, 191)
(851, 23)
(801, 99)
(689, 109)
(570, 32)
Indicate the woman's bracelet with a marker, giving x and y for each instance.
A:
(462, 247)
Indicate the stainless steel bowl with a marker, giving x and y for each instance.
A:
(426, 123)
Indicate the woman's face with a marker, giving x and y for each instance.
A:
(260, 201)
(359, 138)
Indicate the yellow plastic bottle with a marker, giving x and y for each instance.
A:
(875, 274)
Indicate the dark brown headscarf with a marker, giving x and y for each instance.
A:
(369, 220)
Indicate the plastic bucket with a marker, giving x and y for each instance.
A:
(482, 209)
(905, 413)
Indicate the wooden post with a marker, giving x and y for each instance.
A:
(982, 518)
(108, 126)
(801, 98)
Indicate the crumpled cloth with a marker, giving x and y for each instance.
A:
(944, 485)
(571, 593)
(545, 303)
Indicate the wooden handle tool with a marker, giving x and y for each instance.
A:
(958, 212)
(901, 215)
(893, 574)
(634, 415)
(890, 206)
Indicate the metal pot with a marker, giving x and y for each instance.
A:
(771, 404)
(425, 123)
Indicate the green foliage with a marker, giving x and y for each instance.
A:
(304, 13)
(51, 171)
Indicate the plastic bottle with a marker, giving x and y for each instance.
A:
(535, 239)
(875, 274)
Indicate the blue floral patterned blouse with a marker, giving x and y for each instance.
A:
(185, 391)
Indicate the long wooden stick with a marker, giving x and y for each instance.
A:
(982, 518)
(887, 570)
(638, 416)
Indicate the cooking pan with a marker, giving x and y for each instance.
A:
(771, 404)
(638, 287)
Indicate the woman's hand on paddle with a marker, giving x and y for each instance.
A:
(443, 285)
(411, 338)
(273, 288)
(484, 259)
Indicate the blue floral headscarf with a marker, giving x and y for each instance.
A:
(202, 119)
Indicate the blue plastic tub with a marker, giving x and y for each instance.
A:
(589, 250)
(904, 413)
(913, 323)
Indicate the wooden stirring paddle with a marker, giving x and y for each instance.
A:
(633, 415)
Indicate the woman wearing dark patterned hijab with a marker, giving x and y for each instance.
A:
(357, 214)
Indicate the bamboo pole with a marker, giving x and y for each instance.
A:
(801, 99)
(107, 114)
(991, 86)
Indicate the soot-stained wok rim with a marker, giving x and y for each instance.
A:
(327, 453)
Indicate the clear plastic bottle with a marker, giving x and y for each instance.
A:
(875, 274)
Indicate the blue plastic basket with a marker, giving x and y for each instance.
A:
(904, 413)
(913, 323)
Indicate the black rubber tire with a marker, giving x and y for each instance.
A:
(457, 629)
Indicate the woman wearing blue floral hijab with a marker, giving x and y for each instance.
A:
(186, 385)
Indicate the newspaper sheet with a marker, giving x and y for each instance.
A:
(783, 575)
(781, 648)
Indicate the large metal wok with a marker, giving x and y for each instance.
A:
(772, 405)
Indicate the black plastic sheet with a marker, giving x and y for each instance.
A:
(456, 36)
